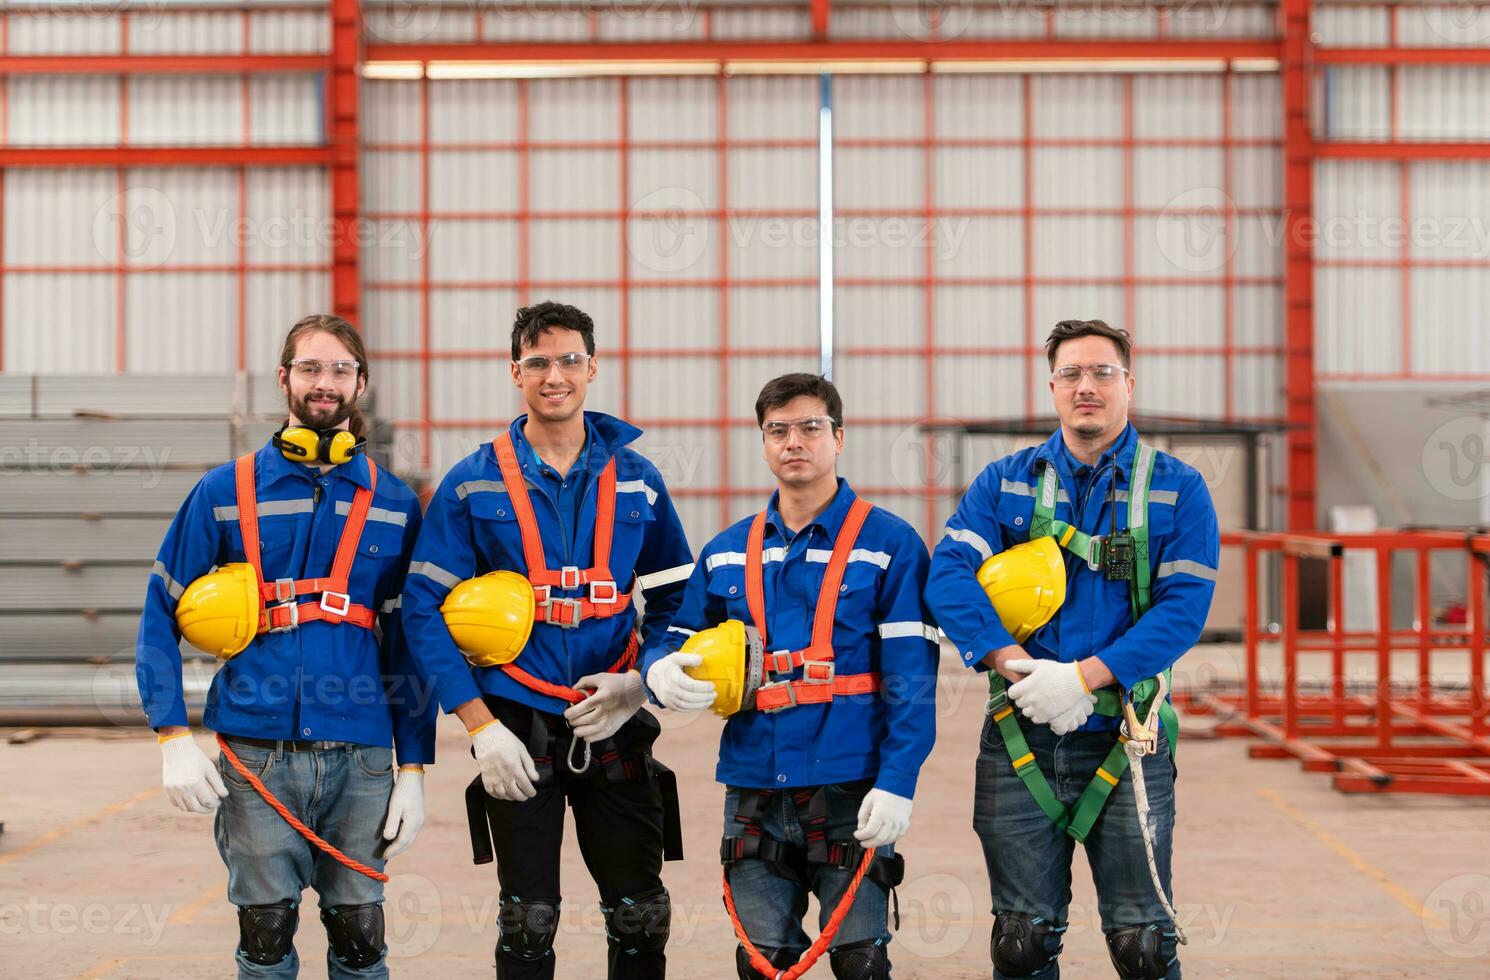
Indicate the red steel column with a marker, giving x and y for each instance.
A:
(342, 138)
(1298, 269)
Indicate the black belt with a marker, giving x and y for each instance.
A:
(285, 745)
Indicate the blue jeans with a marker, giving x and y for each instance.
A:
(1029, 859)
(340, 792)
(771, 908)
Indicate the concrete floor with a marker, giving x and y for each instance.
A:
(1276, 874)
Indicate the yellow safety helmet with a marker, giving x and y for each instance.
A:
(733, 663)
(1026, 584)
(219, 612)
(490, 617)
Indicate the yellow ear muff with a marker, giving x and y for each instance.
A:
(341, 447)
(298, 443)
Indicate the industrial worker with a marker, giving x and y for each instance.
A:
(804, 626)
(287, 564)
(556, 520)
(1099, 554)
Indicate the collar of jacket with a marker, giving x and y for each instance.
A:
(1122, 451)
(272, 466)
(604, 434)
(829, 520)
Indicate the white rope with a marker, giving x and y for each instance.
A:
(1137, 748)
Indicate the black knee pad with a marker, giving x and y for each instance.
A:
(867, 959)
(1138, 952)
(779, 958)
(640, 924)
(527, 928)
(355, 933)
(266, 933)
(1022, 944)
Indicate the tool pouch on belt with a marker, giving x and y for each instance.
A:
(479, 823)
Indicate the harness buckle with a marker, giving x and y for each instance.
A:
(569, 577)
(564, 621)
(346, 603)
(1094, 552)
(540, 595)
(818, 671)
(996, 702)
(791, 696)
(294, 617)
(779, 661)
(604, 593)
(284, 589)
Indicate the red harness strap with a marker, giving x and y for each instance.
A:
(819, 682)
(280, 612)
(604, 598)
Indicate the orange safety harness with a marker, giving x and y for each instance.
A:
(280, 611)
(336, 606)
(820, 681)
(819, 684)
(604, 598)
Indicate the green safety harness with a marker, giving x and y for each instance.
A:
(1128, 551)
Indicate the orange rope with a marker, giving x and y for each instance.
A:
(761, 965)
(284, 811)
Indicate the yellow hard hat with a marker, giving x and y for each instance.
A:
(732, 663)
(219, 612)
(490, 617)
(1026, 584)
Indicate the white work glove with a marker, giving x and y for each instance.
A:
(615, 699)
(1053, 694)
(507, 770)
(191, 779)
(883, 819)
(676, 690)
(405, 812)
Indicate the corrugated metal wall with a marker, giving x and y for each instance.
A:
(973, 210)
(660, 206)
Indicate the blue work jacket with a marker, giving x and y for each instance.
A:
(471, 529)
(880, 626)
(319, 681)
(1096, 618)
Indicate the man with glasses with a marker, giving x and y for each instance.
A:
(804, 625)
(287, 564)
(1141, 548)
(535, 652)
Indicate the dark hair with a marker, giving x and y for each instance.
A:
(343, 331)
(779, 391)
(532, 321)
(1071, 329)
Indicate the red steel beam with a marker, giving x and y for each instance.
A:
(161, 64)
(1301, 475)
(1402, 151)
(1402, 56)
(832, 50)
(163, 156)
(341, 80)
(821, 12)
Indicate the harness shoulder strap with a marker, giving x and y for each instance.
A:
(827, 599)
(605, 520)
(1138, 526)
(755, 575)
(248, 512)
(522, 504)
